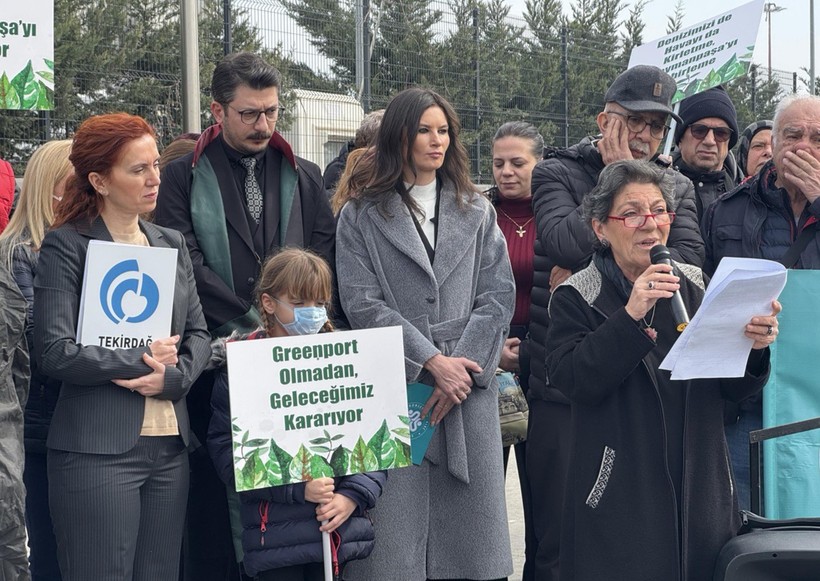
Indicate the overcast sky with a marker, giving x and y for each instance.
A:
(790, 27)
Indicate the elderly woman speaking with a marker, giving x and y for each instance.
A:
(650, 492)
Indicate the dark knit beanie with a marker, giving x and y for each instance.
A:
(712, 103)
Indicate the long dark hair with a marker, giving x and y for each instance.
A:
(394, 147)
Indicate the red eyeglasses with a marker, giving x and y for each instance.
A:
(638, 220)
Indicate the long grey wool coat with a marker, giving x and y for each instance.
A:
(446, 518)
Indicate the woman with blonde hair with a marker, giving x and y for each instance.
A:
(43, 185)
(44, 182)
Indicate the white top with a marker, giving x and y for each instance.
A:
(425, 197)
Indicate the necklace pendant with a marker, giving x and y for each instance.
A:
(520, 231)
(652, 333)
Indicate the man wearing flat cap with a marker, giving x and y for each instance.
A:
(632, 125)
(706, 133)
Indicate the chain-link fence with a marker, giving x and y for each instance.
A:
(115, 55)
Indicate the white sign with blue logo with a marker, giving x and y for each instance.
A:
(128, 295)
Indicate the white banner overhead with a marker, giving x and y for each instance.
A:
(708, 53)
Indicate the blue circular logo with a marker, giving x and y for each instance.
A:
(127, 295)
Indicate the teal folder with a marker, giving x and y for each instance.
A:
(420, 429)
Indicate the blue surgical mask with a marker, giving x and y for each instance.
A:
(306, 320)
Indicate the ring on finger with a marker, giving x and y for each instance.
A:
(651, 284)
(769, 330)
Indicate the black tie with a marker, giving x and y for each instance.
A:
(253, 194)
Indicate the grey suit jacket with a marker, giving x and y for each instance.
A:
(94, 415)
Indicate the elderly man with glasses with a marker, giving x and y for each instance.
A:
(633, 123)
(704, 137)
(238, 198)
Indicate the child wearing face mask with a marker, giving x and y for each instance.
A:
(281, 530)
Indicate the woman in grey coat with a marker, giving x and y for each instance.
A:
(420, 248)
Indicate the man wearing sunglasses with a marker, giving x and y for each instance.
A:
(633, 122)
(707, 132)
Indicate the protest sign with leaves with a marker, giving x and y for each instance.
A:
(27, 55)
(318, 405)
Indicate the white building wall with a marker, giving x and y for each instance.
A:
(321, 123)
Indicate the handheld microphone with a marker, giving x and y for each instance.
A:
(659, 254)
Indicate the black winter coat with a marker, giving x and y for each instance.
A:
(621, 513)
(291, 535)
(754, 221)
(559, 184)
(43, 391)
(334, 169)
(710, 185)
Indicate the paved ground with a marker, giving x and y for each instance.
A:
(515, 516)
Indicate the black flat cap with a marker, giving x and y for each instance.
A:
(643, 88)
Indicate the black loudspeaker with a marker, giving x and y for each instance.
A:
(777, 554)
(771, 550)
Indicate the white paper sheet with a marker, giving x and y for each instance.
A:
(714, 344)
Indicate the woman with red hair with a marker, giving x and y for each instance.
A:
(117, 462)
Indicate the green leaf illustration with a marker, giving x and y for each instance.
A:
(382, 446)
(403, 457)
(278, 465)
(337, 437)
(319, 441)
(320, 449)
(47, 75)
(25, 83)
(319, 467)
(739, 68)
(721, 72)
(234, 427)
(49, 64)
(245, 437)
(256, 442)
(8, 94)
(403, 432)
(340, 461)
(713, 79)
(691, 88)
(362, 458)
(300, 465)
(405, 420)
(253, 472)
